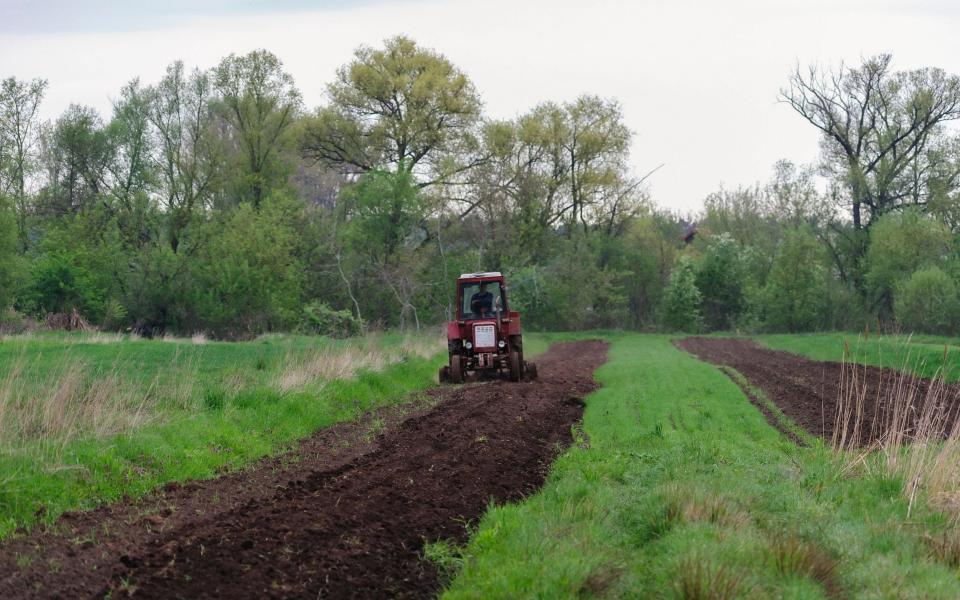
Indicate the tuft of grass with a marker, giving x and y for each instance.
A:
(796, 557)
(699, 578)
(445, 556)
(944, 546)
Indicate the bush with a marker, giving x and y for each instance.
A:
(247, 274)
(720, 280)
(58, 284)
(681, 299)
(795, 295)
(900, 244)
(9, 260)
(927, 302)
(320, 319)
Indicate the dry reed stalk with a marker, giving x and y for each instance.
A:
(915, 430)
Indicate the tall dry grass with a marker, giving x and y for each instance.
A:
(903, 424)
(73, 400)
(40, 403)
(301, 370)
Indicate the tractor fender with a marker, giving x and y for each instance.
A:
(453, 331)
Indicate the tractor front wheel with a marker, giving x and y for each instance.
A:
(515, 364)
(456, 368)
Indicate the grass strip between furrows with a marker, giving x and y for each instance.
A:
(782, 422)
(680, 488)
(225, 427)
(927, 356)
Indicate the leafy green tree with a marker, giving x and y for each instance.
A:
(247, 277)
(402, 107)
(58, 283)
(927, 302)
(260, 102)
(901, 243)
(9, 259)
(19, 136)
(720, 279)
(682, 299)
(189, 154)
(75, 155)
(795, 295)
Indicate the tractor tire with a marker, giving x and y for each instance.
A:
(515, 365)
(456, 368)
(444, 375)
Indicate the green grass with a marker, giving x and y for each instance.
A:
(685, 491)
(221, 426)
(922, 354)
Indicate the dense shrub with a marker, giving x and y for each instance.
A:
(795, 295)
(900, 244)
(320, 319)
(720, 279)
(248, 279)
(57, 283)
(681, 299)
(9, 261)
(927, 302)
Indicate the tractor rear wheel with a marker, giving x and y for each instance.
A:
(456, 368)
(515, 364)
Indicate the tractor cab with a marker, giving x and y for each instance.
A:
(485, 337)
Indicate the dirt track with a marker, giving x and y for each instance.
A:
(343, 516)
(806, 390)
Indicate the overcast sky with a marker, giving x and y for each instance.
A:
(698, 81)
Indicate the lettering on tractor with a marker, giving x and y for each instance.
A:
(485, 338)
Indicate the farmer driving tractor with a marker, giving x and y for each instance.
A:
(481, 303)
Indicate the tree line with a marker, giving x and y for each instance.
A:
(214, 200)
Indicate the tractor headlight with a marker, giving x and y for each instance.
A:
(468, 345)
(501, 343)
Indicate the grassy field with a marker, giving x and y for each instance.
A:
(679, 488)
(90, 418)
(925, 355)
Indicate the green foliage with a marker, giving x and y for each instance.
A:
(569, 292)
(248, 279)
(9, 259)
(382, 212)
(320, 319)
(720, 280)
(682, 299)
(795, 295)
(927, 302)
(900, 244)
(395, 107)
(58, 283)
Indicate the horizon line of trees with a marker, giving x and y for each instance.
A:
(214, 201)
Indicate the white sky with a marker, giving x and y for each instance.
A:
(698, 80)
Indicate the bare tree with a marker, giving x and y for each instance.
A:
(878, 128)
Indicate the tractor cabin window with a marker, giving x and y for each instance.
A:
(481, 304)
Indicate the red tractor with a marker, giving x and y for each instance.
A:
(485, 338)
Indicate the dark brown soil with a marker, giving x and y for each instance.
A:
(808, 391)
(345, 515)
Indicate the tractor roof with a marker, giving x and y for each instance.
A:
(481, 275)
